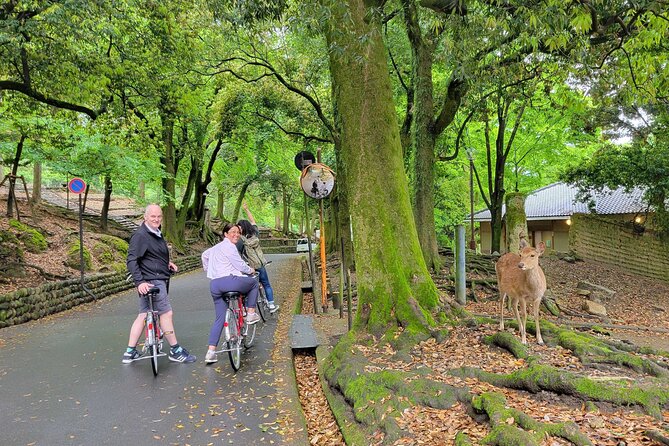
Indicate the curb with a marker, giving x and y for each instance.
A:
(351, 430)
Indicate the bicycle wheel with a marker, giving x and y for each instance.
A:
(154, 359)
(151, 342)
(250, 335)
(235, 342)
(261, 306)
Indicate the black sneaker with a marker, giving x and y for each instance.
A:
(131, 356)
(272, 307)
(181, 355)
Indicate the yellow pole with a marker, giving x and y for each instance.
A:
(324, 285)
(324, 279)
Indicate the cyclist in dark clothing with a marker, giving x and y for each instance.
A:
(149, 265)
(249, 248)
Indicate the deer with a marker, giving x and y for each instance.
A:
(521, 279)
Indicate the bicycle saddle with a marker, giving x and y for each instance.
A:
(230, 295)
(153, 290)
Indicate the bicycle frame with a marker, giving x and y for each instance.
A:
(152, 341)
(235, 329)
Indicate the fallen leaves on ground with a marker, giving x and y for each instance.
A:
(321, 424)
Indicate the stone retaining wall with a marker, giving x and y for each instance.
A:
(29, 304)
(609, 241)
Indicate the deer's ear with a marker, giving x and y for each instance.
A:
(541, 247)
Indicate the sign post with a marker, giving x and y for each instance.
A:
(77, 186)
(302, 160)
(317, 181)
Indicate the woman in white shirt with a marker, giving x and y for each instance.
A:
(228, 272)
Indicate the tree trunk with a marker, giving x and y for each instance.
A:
(104, 213)
(169, 227)
(220, 204)
(516, 221)
(423, 139)
(277, 213)
(341, 212)
(496, 227)
(202, 185)
(186, 212)
(37, 182)
(240, 198)
(285, 200)
(141, 186)
(12, 179)
(394, 284)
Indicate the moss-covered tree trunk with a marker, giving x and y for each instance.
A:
(169, 226)
(422, 138)
(339, 198)
(516, 221)
(393, 282)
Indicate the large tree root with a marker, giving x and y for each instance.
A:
(542, 377)
(378, 397)
(589, 349)
(513, 427)
(508, 341)
(592, 350)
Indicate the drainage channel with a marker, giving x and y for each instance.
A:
(322, 427)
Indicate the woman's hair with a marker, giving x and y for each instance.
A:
(227, 227)
(247, 228)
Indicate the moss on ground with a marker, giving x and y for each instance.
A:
(73, 257)
(33, 240)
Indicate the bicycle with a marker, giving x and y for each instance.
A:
(153, 341)
(263, 303)
(237, 332)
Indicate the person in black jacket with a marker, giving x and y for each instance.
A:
(149, 265)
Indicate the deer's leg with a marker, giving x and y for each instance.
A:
(523, 304)
(502, 296)
(537, 305)
(521, 328)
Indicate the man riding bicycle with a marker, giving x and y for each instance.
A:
(149, 264)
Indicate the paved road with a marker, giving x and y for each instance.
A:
(62, 381)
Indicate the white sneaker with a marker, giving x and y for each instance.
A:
(272, 307)
(210, 357)
(252, 318)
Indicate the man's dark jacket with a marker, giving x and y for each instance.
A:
(148, 256)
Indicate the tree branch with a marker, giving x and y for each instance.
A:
(39, 97)
(307, 138)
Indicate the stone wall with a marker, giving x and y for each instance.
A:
(609, 240)
(29, 304)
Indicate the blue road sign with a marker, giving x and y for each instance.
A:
(76, 185)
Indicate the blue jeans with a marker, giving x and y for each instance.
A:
(243, 284)
(264, 279)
